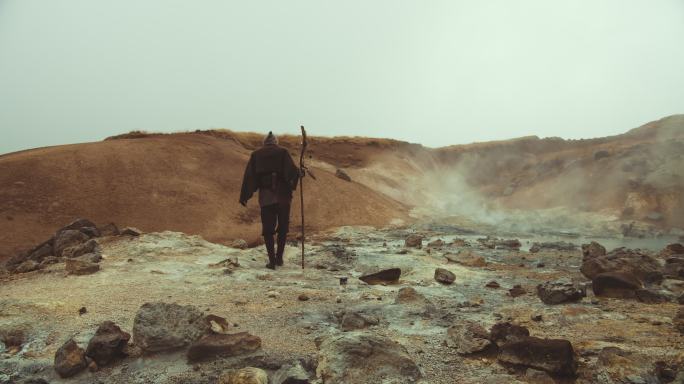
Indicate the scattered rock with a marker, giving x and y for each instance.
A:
(672, 249)
(615, 284)
(362, 357)
(557, 292)
(493, 242)
(90, 246)
(354, 320)
(68, 238)
(506, 332)
(291, 374)
(223, 345)
(162, 326)
(674, 267)
(81, 265)
(303, 297)
(651, 296)
(27, 266)
(468, 337)
(517, 290)
(678, 320)
(272, 294)
(342, 175)
(249, 375)
(493, 284)
(467, 258)
(444, 276)
(602, 154)
(592, 250)
(240, 244)
(555, 356)
(131, 231)
(413, 241)
(82, 311)
(436, 243)
(554, 246)
(70, 359)
(49, 260)
(387, 276)
(646, 268)
(108, 344)
(536, 317)
(109, 230)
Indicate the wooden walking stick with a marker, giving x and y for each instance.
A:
(302, 173)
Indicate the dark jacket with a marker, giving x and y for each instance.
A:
(270, 167)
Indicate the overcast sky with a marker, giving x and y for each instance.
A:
(432, 72)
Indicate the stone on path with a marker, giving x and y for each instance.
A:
(468, 337)
(70, 359)
(162, 326)
(444, 276)
(223, 345)
(387, 276)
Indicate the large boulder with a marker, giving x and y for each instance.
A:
(645, 267)
(249, 375)
(361, 357)
(506, 332)
(558, 292)
(108, 344)
(444, 276)
(82, 265)
(672, 249)
(42, 251)
(68, 238)
(70, 359)
(223, 345)
(468, 337)
(162, 326)
(674, 267)
(555, 356)
(387, 276)
(615, 284)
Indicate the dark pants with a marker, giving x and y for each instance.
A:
(275, 215)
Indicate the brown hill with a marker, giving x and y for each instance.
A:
(181, 182)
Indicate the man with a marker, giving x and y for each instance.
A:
(271, 171)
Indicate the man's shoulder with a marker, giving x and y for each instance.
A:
(269, 149)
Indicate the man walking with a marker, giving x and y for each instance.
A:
(272, 172)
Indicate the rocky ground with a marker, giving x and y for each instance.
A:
(465, 308)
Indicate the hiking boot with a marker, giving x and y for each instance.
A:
(282, 239)
(270, 249)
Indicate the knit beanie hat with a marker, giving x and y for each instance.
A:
(270, 139)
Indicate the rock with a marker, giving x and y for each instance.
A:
(340, 174)
(239, 244)
(555, 356)
(467, 258)
(592, 250)
(131, 231)
(536, 317)
(42, 251)
(303, 297)
(249, 375)
(651, 296)
(444, 276)
(492, 284)
(602, 154)
(387, 276)
(162, 326)
(517, 290)
(674, 268)
(672, 249)
(413, 241)
(90, 246)
(49, 260)
(223, 345)
(615, 284)
(70, 359)
(363, 357)
(68, 238)
(78, 224)
(558, 292)
(468, 337)
(272, 294)
(108, 344)
(493, 242)
(678, 320)
(408, 295)
(291, 374)
(436, 243)
(555, 245)
(27, 266)
(82, 311)
(644, 267)
(354, 320)
(506, 332)
(109, 230)
(81, 265)
(534, 376)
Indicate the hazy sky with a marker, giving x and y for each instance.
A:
(433, 72)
